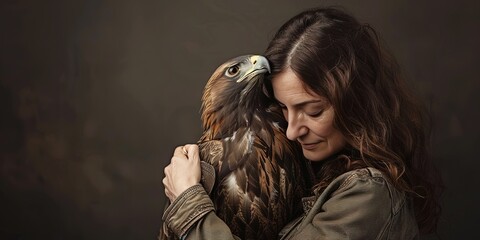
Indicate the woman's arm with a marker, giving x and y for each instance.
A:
(191, 214)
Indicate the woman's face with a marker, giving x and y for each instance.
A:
(309, 116)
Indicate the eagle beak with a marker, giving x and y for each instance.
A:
(260, 63)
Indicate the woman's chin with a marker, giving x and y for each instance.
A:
(312, 155)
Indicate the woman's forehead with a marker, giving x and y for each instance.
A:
(288, 85)
(297, 96)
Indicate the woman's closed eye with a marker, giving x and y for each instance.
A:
(317, 113)
(314, 110)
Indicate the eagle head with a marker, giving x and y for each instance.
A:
(234, 91)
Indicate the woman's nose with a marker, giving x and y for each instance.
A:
(295, 128)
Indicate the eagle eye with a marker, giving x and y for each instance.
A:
(232, 71)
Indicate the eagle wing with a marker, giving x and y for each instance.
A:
(253, 190)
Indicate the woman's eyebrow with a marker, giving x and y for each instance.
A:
(301, 104)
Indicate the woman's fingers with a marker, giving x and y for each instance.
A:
(192, 152)
(180, 151)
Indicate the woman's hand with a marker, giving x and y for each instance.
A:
(183, 171)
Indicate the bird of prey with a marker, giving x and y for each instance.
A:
(260, 174)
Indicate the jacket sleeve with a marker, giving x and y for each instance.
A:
(356, 208)
(192, 216)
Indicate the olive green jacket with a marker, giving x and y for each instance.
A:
(360, 204)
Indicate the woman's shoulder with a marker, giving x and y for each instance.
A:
(369, 182)
(361, 204)
(363, 175)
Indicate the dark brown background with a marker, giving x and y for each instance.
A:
(94, 96)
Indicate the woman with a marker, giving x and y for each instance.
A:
(365, 134)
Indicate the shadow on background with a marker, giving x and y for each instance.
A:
(94, 96)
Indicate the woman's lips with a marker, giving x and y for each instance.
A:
(309, 146)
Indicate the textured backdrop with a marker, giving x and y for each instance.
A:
(94, 96)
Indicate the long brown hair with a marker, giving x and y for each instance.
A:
(339, 58)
